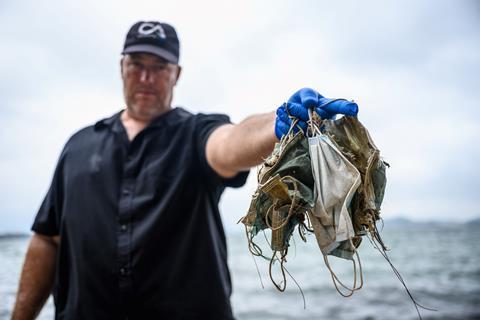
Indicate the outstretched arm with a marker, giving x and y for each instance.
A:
(37, 277)
(232, 148)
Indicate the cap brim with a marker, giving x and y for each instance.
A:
(162, 53)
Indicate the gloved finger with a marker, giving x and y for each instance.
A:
(295, 98)
(302, 124)
(338, 106)
(297, 110)
(281, 128)
(283, 115)
(324, 114)
(306, 97)
(297, 128)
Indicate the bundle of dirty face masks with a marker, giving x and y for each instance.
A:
(329, 182)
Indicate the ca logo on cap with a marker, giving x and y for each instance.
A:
(149, 29)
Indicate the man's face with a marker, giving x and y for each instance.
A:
(148, 82)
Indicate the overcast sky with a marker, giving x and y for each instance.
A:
(412, 66)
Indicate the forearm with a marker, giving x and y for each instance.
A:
(232, 148)
(252, 140)
(37, 277)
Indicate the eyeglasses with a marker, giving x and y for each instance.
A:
(137, 68)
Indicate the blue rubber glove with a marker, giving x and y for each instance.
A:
(299, 103)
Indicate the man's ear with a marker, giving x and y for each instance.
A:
(179, 71)
(121, 66)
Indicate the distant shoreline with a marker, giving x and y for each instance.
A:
(387, 223)
(13, 235)
(406, 221)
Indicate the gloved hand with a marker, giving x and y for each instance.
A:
(299, 103)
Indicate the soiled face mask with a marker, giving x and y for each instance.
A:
(336, 181)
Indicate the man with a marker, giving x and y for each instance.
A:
(130, 227)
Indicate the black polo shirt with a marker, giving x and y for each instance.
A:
(141, 234)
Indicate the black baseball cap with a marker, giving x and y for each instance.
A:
(153, 37)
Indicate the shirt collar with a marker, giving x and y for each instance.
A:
(107, 122)
(166, 119)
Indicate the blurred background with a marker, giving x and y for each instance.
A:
(411, 66)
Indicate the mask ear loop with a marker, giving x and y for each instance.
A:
(293, 125)
(294, 120)
(315, 121)
(336, 280)
(291, 211)
(286, 138)
(313, 127)
(332, 101)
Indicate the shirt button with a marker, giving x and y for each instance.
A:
(123, 227)
(123, 271)
(126, 192)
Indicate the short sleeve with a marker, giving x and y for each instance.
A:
(205, 125)
(47, 220)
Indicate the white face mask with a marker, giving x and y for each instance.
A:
(336, 181)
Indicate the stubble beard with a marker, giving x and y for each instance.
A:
(147, 110)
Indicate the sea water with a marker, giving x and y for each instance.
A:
(439, 263)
